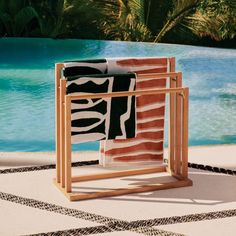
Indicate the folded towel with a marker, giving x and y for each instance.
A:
(85, 67)
(148, 144)
(103, 118)
(140, 65)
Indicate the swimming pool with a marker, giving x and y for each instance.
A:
(27, 88)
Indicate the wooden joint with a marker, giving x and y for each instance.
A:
(182, 95)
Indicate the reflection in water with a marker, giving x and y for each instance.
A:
(27, 88)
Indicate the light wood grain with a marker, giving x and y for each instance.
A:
(62, 129)
(178, 124)
(185, 133)
(116, 192)
(116, 174)
(171, 128)
(58, 68)
(124, 94)
(68, 144)
(130, 190)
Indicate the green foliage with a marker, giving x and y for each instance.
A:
(83, 18)
(70, 18)
(133, 20)
(52, 15)
(17, 17)
(127, 21)
(216, 19)
(181, 9)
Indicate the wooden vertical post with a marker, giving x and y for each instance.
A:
(180, 181)
(185, 133)
(171, 142)
(178, 126)
(62, 128)
(68, 144)
(58, 68)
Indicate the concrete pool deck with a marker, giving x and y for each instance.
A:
(31, 204)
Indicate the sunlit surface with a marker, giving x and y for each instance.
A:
(27, 88)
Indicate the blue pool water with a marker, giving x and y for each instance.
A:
(27, 88)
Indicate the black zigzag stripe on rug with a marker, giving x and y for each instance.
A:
(185, 218)
(56, 208)
(96, 162)
(111, 223)
(212, 169)
(79, 231)
(106, 229)
(119, 224)
(45, 167)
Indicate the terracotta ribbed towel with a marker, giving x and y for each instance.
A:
(148, 144)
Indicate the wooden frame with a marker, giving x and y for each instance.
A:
(178, 140)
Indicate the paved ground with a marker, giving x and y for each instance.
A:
(31, 204)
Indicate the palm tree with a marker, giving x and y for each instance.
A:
(52, 14)
(214, 19)
(69, 18)
(181, 9)
(133, 20)
(125, 20)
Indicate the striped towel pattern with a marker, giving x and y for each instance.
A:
(150, 110)
(148, 144)
(102, 118)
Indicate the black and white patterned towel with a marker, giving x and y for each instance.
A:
(102, 118)
(85, 67)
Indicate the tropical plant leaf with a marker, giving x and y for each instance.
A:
(215, 19)
(3, 5)
(14, 6)
(205, 26)
(60, 6)
(181, 9)
(6, 20)
(232, 4)
(125, 21)
(23, 18)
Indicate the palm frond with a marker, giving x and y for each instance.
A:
(215, 19)
(127, 21)
(181, 9)
(23, 18)
(232, 4)
(205, 26)
(6, 21)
